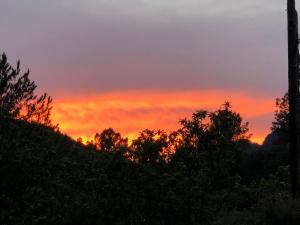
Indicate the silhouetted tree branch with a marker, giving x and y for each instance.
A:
(17, 95)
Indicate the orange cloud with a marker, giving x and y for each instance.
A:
(131, 112)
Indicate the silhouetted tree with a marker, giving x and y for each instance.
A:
(211, 141)
(109, 140)
(49, 178)
(281, 123)
(17, 95)
(150, 147)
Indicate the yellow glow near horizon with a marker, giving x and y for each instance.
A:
(131, 112)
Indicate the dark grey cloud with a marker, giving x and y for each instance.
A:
(106, 45)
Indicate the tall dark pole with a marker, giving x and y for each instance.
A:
(293, 70)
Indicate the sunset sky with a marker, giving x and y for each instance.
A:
(136, 64)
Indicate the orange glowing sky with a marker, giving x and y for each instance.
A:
(131, 112)
(92, 57)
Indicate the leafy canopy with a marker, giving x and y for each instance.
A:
(281, 123)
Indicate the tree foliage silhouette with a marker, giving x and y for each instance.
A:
(109, 140)
(188, 177)
(17, 95)
(213, 140)
(281, 123)
(194, 175)
(150, 147)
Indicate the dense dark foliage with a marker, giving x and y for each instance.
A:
(207, 172)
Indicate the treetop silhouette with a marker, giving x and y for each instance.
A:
(18, 99)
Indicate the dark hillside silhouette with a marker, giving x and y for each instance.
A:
(48, 178)
(205, 173)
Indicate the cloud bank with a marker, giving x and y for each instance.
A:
(95, 47)
(100, 45)
(132, 112)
